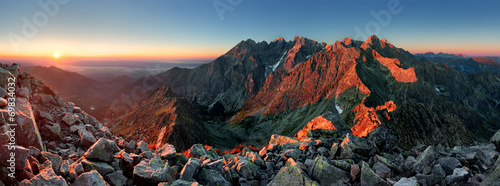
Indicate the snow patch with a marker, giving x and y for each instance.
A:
(308, 56)
(338, 109)
(278, 63)
(437, 90)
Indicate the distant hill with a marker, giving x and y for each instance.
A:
(463, 63)
(93, 96)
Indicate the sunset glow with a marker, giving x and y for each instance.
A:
(56, 55)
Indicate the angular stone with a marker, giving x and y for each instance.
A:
(180, 182)
(216, 165)
(131, 146)
(355, 170)
(382, 170)
(355, 145)
(368, 177)
(20, 155)
(55, 159)
(438, 170)
(101, 167)
(291, 175)
(167, 151)
(90, 178)
(292, 153)
(75, 170)
(69, 119)
(325, 173)
(198, 151)
(429, 179)
(47, 176)
(459, 175)
(52, 130)
(64, 170)
(26, 131)
(86, 138)
(493, 178)
(190, 169)
(407, 182)
(246, 168)
(449, 164)
(116, 178)
(142, 146)
(424, 159)
(102, 150)
(211, 177)
(151, 173)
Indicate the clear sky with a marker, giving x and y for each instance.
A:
(204, 29)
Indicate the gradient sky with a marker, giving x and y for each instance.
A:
(189, 29)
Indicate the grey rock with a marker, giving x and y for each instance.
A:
(102, 150)
(52, 130)
(151, 173)
(55, 159)
(424, 159)
(368, 177)
(21, 154)
(325, 173)
(167, 151)
(131, 146)
(86, 138)
(459, 175)
(246, 168)
(101, 167)
(211, 177)
(493, 179)
(64, 170)
(142, 146)
(291, 175)
(180, 182)
(69, 119)
(437, 170)
(382, 170)
(292, 153)
(216, 165)
(47, 176)
(449, 164)
(116, 178)
(356, 145)
(407, 182)
(75, 170)
(90, 178)
(190, 169)
(76, 128)
(429, 179)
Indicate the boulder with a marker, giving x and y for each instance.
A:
(52, 130)
(151, 172)
(75, 170)
(291, 175)
(102, 150)
(69, 119)
(353, 145)
(3, 102)
(47, 176)
(198, 151)
(407, 182)
(167, 151)
(131, 146)
(64, 170)
(449, 164)
(325, 173)
(493, 179)
(181, 182)
(116, 178)
(382, 170)
(90, 178)
(246, 168)
(459, 175)
(26, 131)
(424, 159)
(55, 159)
(142, 146)
(4, 77)
(368, 177)
(86, 138)
(190, 169)
(21, 154)
(284, 141)
(101, 167)
(211, 177)
(292, 153)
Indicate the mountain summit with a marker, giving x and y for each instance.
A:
(258, 89)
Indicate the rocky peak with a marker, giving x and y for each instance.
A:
(279, 39)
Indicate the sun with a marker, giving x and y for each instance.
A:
(57, 54)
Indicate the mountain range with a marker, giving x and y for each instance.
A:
(257, 89)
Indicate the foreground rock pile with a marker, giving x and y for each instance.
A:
(59, 144)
